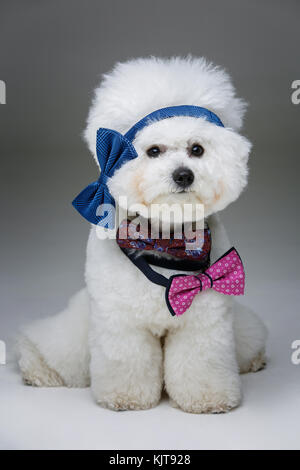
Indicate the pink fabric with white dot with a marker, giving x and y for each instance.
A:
(226, 275)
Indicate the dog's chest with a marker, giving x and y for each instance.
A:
(122, 291)
(122, 294)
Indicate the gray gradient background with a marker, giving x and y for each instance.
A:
(51, 57)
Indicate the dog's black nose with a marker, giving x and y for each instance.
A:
(183, 177)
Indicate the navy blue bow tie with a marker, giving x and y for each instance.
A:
(95, 202)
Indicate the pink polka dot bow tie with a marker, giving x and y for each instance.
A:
(226, 276)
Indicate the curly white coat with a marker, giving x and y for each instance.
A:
(117, 333)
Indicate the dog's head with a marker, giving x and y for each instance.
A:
(181, 160)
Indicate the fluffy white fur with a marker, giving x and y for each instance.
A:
(117, 332)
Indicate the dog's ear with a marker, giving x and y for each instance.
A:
(236, 146)
(231, 152)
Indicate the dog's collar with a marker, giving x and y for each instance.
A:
(225, 276)
(136, 243)
(146, 259)
(187, 244)
(95, 203)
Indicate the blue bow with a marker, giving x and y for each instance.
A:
(95, 202)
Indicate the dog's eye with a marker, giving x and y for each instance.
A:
(196, 150)
(153, 151)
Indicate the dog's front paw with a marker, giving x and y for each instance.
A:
(208, 400)
(123, 402)
(126, 395)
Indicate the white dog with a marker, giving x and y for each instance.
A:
(117, 333)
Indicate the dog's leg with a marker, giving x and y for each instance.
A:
(201, 370)
(250, 337)
(35, 370)
(54, 351)
(126, 364)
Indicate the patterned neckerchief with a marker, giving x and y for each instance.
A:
(190, 246)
